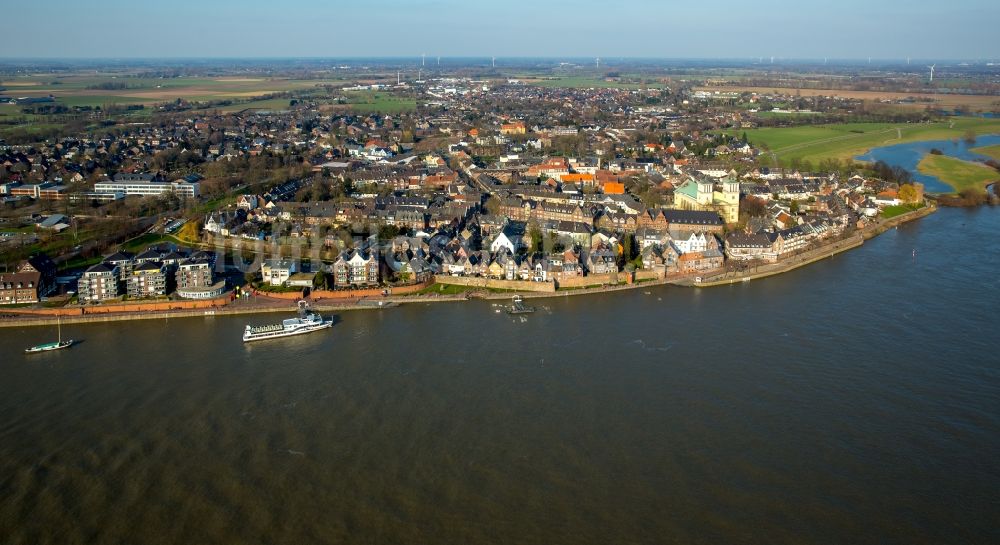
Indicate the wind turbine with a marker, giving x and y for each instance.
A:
(932, 72)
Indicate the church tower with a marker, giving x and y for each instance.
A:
(730, 191)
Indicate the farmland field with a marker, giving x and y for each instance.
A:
(96, 91)
(845, 141)
(944, 101)
(584, 82)
(263, 104)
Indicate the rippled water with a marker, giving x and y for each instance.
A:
(853, 401)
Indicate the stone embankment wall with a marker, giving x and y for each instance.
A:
(149, 306)
(317, 295)
(490, 283)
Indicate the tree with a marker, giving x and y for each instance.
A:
(628, 250)
(492, 205)
(319, 281)
(907, 193)
(753, 207)
(387, 232)
(535, 236)
(794, 207)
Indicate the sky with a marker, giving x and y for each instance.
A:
(805, 29)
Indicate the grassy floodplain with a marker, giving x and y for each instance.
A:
(845, 141)
(989, 151)
(959, 174)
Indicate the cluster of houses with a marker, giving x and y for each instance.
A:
(598, 173)
(156, 272)
(480, 227)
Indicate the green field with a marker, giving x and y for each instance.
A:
(989, 151)
(79, 90)
(957, 173)
(586, 82)
(263, 104)
(372, 102)
(781, 115)
(845, 141)
(893, 211)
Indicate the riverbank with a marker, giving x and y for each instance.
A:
(786, 265)
(264, 304)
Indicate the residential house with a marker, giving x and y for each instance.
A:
(356, 268)
(277, 271)
(602, 261)
(747, 246)
(31, 280)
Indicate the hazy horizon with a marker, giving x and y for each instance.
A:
(632, 29)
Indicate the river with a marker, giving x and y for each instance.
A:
(909, 155)
(856, 400)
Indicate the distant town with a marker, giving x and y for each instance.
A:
(449, 183)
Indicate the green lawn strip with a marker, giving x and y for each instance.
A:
(892, 211)
(959, 174)
(989, 151)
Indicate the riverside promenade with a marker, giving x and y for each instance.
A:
(262, 303)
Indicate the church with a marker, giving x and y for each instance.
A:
(703, 194)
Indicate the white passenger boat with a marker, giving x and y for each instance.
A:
(306, 322)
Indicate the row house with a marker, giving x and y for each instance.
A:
(411, 219)
(700, 262)
(544, 211)
(749, 246)
(654, 219)
(619, 221)
(660, 258)
(602, 261)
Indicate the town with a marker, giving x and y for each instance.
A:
(484, 184)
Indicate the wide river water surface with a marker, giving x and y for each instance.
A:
(856, 400)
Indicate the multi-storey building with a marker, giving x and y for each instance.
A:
(99, 283)
(356, 268)
(148, 279)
